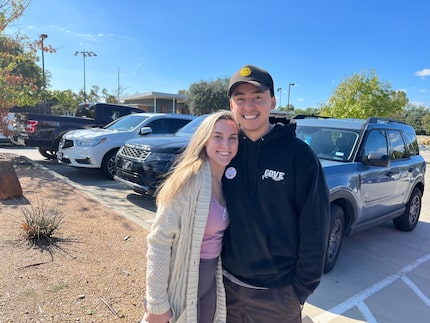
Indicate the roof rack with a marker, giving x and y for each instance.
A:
(309, 116)
(383, 120)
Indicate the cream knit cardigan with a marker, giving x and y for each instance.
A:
(173, 255)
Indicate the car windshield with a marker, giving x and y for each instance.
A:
(191, 127)
(126, 123)
(329, 143)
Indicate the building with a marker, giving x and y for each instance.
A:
(158, 102)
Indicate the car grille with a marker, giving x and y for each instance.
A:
(134, 152)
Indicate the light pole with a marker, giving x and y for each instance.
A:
(289, 87)
(280, 97)
(42, 37)
(85, 54)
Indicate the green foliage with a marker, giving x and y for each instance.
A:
(362, 96)
(63, 102)
(426, 123)
(18, 84)
(308, 111)
(208, 96)
(109, 97)
(41, 220)
(416, 116)
(20, 77)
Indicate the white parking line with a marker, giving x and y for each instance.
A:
(416, 290)
(358, 299)
(367, 313)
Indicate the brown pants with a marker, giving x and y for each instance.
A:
(206, 305)
(248, 305)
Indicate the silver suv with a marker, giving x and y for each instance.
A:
(373, 170)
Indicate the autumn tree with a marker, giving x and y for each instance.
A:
(11, 10)
(13, 60)
(363, 95)
(21, 79)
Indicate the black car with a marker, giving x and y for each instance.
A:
(143, 162)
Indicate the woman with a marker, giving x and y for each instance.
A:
(186, 236)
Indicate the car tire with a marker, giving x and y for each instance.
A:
(409, 219)
(335, 237)
(47, 153)
(108, 164)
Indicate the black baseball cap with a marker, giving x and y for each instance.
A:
(253, 75)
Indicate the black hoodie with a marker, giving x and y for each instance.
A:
(278, 204)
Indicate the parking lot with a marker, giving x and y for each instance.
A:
(381, 274)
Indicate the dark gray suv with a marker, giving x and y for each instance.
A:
(374, 172)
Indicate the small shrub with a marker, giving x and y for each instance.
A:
(41, 219)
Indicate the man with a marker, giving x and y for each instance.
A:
(277, 199)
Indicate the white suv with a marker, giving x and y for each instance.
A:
(97, 147)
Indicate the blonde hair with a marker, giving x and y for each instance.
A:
(191, 160)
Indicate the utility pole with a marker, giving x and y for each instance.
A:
(42, 38)
(85, 54)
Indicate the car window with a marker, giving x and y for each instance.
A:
(191, 127)
(87, 111)
(329, 143)
(127, 123)
(397, 145)
(412, 143)
(159, 126)
(345, 144)
(175, 124)
(376, 143)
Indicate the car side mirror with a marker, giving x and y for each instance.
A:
(145, 130)
(377, 159)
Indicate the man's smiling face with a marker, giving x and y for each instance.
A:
(251, 107)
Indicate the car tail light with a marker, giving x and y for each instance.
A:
(31, 126)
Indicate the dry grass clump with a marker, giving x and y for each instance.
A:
(41, 219)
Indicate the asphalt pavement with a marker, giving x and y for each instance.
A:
(382, 275)
(116, 196)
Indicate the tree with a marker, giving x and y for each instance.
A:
(362, 96)
(208, 96)
(63, 102)
(426, 123)
(414, 116)
(11, 10)
(20, 77)
(110, 97)
(21, 80)
(307, 111)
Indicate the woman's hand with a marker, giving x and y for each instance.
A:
(157, 318)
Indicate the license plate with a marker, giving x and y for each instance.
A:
(126, 164)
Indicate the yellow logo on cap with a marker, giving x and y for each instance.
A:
(246, 71)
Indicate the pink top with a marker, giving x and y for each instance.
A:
(216, 224)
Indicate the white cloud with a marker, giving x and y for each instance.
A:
(424, 72)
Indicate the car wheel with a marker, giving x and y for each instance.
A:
(108, 164)
(47, 153)
(409, 219)
(335, 237)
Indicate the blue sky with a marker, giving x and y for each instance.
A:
(166, 45)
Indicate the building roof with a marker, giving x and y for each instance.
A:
(154, 95)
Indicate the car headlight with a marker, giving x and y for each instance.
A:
(160, 157)
(89, 142)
